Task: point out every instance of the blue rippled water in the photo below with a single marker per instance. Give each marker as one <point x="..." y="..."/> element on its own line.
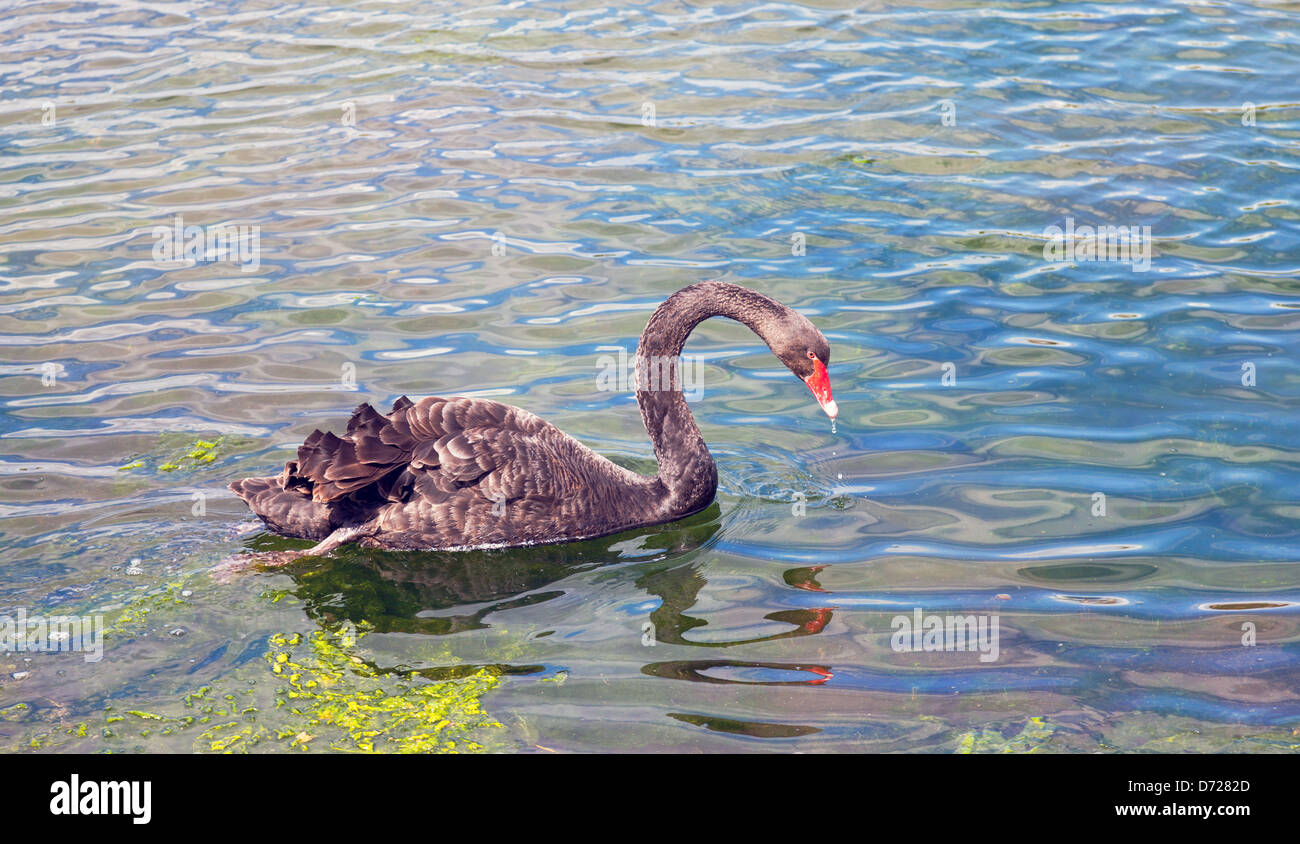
<point x="454" y="198"/>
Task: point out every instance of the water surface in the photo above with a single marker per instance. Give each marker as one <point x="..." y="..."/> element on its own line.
<point x="468" y="199"/>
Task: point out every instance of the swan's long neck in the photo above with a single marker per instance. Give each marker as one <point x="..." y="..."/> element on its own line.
<point x="686" y="468"/>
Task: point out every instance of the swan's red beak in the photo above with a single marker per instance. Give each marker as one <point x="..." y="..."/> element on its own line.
<point x="820" y="384"/>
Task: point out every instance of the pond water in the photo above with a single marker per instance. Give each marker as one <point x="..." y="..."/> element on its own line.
<point x="1098" y="458"/>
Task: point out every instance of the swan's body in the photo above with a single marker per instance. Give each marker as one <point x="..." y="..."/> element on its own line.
<point x="457" y="473"/>
<point x="451" y="473"/>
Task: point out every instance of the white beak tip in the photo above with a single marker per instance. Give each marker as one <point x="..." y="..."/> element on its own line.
<point x="831" y="408"/>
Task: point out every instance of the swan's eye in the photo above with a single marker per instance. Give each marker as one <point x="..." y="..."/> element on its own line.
<point x="811" y="356"/>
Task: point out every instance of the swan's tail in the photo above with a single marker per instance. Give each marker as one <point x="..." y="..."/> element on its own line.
<point x="335" y="482"/>
<point x="285" y="511"/>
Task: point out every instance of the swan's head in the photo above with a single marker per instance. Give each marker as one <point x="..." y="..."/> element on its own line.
<point x="804" y="350"/>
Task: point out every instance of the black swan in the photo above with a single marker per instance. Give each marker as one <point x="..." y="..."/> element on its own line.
<point x="460" y="473"/>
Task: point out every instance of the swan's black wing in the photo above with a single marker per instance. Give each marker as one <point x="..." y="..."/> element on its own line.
<point x="429" y="474"/>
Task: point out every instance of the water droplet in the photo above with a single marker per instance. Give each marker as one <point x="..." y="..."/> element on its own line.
<point x="832" y="426"/>
<point x="839" y="475"/>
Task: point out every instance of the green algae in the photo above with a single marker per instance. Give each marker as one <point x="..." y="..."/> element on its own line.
<point x="334" y="701"/>
<point x="135" y="617"/>
<point x="1031" y="739"/>
<point x="337" y="701"/>
<point x="175" y="452"/>
<point x="322" y="697"/>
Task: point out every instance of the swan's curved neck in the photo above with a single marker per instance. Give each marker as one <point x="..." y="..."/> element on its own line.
<point x="686" y="468"/>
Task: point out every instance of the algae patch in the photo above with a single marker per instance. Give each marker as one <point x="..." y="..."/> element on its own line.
<point x="1030" y="739"/>
<point x="335" y="700"/>
<point x="323" y="697"/>
<point x="343" y="698"/>
<point x="177" y="453"/>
